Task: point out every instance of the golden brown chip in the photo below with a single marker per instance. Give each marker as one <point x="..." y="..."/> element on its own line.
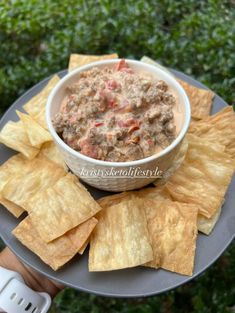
<point x="115" y="198"/>
<point x="150" y="61"/>
<point x="206" y="225"/>
<point x="78" y="60"/>
<point x="61" y="207"/>
<point x="13" y="208"/>
<point x="83" y="248"/>
<point x="36" y="106"/>
<point x="156" y="193"/>
<point x="38" y="174"/>
<point x="37" y="134"/>
<point x="59" y="251"/>
<point x="173" y="230"/>
<point x="15" y="137"/>
<point x="204" y="176"/>
<point x="86" y="229"/>
<point x="9" y="169"/>
<point x="121" y="238"/>
<point x="50" y="150"/>
<point x="200" y="99"/>
<point x="179" y="158"/>
<point x="218" y="128"/>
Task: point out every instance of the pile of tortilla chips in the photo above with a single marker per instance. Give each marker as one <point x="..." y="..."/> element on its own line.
<point x="154" y="227"/>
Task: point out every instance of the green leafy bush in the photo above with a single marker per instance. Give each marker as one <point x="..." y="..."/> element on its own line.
<point x="36" y="37"/>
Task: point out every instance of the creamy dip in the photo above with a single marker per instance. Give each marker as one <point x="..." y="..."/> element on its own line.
<point x="117" y="114"/>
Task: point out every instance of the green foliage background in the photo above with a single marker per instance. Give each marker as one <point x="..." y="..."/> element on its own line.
<point x="194" y="36"/>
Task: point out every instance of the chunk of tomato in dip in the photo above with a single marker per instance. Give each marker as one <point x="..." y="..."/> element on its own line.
<point x="117" y="114"/>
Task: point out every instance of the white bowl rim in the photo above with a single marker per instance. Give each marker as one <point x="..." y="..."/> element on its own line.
<point x="161" y="153"/>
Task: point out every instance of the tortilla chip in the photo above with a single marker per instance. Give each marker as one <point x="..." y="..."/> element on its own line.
<point x="36" y="106"/>
<point x="13" y="208"/>
<point x="61" y="207"/>
<point x="9" y="169"/>
<point x="36" y="134"/>
<point x="200" y="99"/>
<point x="219" y="128"/>
<point x="173" y="230"/>
<point x="61" y="250"/>
<point x="206" y="225"/>
<point x="204" y="176"/>
<point x="115" y="198"/>
<point x="38" y="174"/>
<point x="50" y="150"/>
<point x="14" y="136"/>
<point x="121" y="238"/>
<point x="179" y="158"/>
<point x="78" y="60"/>
<point x="83" y="248"/>
<point x="156" y="193"/>
<point x="150" y="61"/>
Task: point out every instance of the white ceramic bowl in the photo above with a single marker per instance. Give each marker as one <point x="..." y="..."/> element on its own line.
<point x="94" y="172"/>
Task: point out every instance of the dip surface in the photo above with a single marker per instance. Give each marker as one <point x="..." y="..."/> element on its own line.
<point x="117" y="114"/>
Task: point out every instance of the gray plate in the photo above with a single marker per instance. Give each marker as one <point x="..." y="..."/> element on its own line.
<point x="135" y="282"/>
